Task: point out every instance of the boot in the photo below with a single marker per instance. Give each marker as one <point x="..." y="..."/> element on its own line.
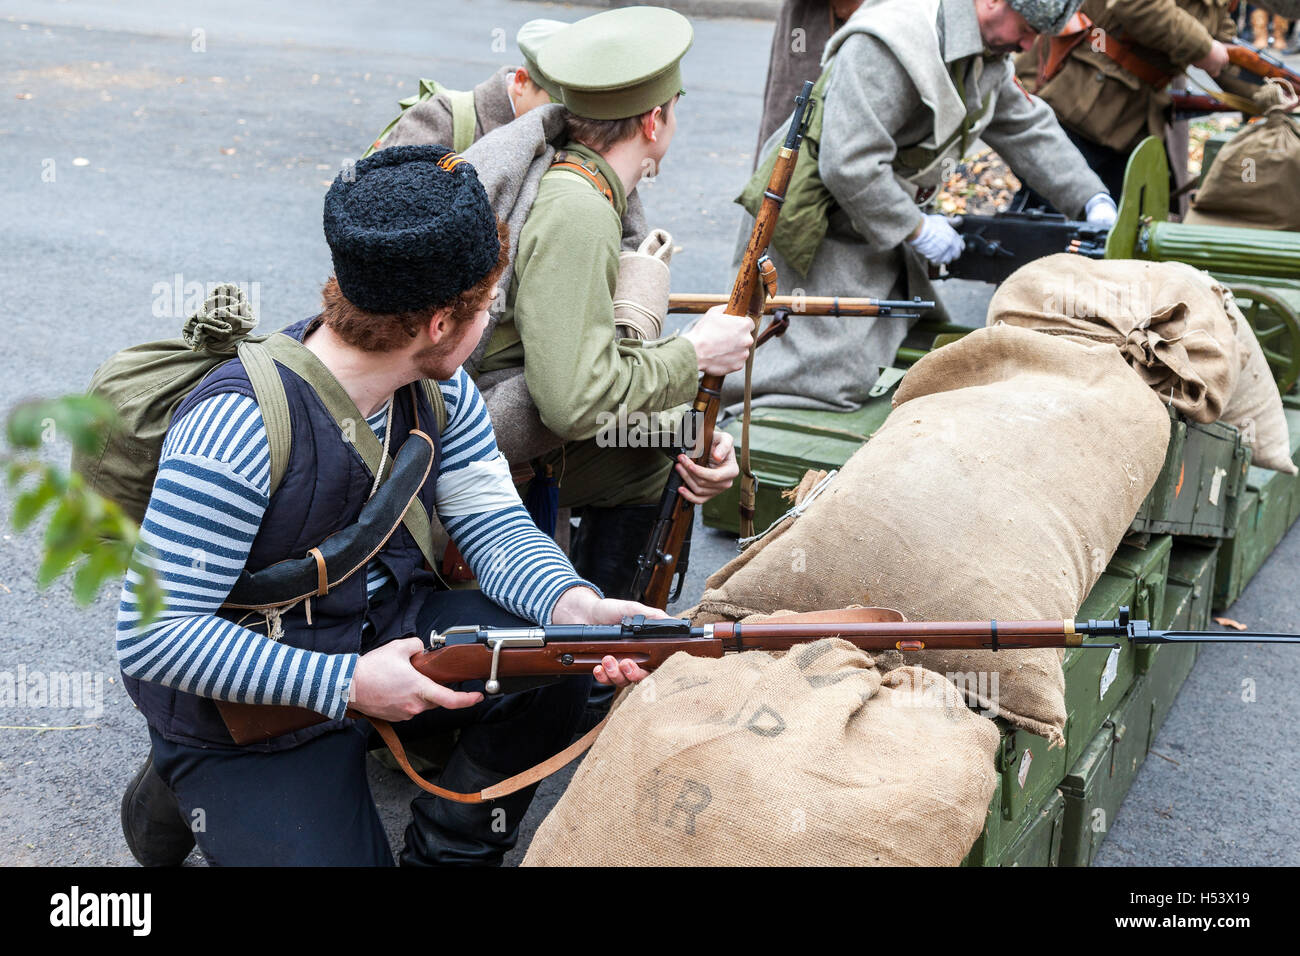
<point x="1259" y="27"/>
<point x="605" y="549"/>
<point x="155" y="829"/>
<point x="445" y="833"/>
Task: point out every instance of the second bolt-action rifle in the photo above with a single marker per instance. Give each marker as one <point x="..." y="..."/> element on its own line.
<point x="666" y="551"/>
<point x="515" y="658"/>
<point x="832" y="305"/>
<point x="1259" y="65"/>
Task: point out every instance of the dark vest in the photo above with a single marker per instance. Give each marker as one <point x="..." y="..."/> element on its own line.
<point x="323" y="489"/>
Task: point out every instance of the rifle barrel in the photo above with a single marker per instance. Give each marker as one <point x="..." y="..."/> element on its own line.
<point x="694" y="303"/>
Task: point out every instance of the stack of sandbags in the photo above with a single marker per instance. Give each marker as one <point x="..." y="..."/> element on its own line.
<point x="810" y="758"/>
<point x="998" y="488"/>
<point x="1176" y="325"/>
<point x="1256" y="406"/>
<point x="1169" y="325"/>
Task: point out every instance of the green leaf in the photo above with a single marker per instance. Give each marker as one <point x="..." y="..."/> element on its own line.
<point x="101" y="566"/>
<point x="84" y="420"/>
<point x="29" y="504"/>
<point x="55" y="562"/>
<point x="26" y="422"/>
<point x="67" y="528"/>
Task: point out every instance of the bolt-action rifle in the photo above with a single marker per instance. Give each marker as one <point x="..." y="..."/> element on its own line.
<point x="1259" y="65"/>
<point x="666" y="551"/>
<point x="818" y="305"/>
<point x="509" y="659"/>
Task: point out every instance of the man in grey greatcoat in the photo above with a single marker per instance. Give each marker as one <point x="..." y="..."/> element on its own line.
<point x="907" y="88"/>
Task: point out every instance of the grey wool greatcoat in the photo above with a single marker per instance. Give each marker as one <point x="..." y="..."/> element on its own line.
<point x="891" y="88"/>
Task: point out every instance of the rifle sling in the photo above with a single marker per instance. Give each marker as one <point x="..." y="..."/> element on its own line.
<point x="345" y="552"/>
<point x="302" y="361"/>
<point x="1127" y="57"/>
<point x="506" y="787"/>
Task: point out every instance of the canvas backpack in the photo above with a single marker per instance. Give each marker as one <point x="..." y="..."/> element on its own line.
<point x="463" y="114"/>
<point x="146" y="383"/>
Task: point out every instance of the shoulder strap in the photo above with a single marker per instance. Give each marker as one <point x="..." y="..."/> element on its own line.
<point x="303" y="362"/>
<point x="464" y="117"/>
<point x="434" y="394"/>
<point x="587" y="170"/>
<point x="272" y="402"/>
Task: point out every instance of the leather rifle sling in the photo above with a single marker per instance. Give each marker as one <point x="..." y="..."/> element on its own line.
<point x="1075" y="32"/>
<point x="503" y="789"/>
<point x="576" y="749"/>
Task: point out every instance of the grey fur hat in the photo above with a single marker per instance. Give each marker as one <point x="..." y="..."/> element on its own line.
<point x="1048" y="17"/>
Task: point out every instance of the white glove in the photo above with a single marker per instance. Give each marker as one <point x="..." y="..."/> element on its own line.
<point x="939" y="241"/>
<point x="1100" y="211"/>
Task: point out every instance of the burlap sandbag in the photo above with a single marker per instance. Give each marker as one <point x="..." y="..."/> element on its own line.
<point x="999" y="487"/>
<point x="1169" y="326"/>
<point x="1256" y="405"/>
<point x="1253" y="180"/>
<point x="810" y="758"/>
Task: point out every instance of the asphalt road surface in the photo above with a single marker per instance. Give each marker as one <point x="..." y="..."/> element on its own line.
<point x="151" y="144"/>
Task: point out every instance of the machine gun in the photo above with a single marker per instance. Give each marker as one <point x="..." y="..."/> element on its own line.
<point x="997" y="246"/>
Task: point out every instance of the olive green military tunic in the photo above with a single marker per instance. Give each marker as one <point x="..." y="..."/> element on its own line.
<point x="558" y="324"/>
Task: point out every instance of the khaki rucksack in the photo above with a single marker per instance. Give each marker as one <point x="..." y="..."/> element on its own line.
<point x="146" y="383"/>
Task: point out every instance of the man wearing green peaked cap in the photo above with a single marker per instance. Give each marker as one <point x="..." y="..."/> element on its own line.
<point x="456" y="118"/>
<point x="619" y="75"/>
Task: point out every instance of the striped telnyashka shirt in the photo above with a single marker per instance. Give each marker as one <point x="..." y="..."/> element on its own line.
<point x="208" y="500"/>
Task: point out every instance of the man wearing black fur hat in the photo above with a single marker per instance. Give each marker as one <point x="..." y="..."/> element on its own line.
<point x="417" y="253"/>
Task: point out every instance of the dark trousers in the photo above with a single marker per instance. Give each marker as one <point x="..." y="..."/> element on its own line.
<point x="1109" y="164"/>
<point x="311" y="805"/>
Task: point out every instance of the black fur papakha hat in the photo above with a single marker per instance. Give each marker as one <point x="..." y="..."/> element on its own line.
<point x="409" y="227"/>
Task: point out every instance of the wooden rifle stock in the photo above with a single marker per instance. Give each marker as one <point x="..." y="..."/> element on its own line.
<point x="1253" y="61"/>
<point x="664" y="555"/>
<point x="830" y="305"/>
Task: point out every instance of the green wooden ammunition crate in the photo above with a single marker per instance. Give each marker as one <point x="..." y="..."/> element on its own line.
<point x="1211" y="476"/>
<point x="1191" y="565"/>
<point x="1157" y="509"/>
<point x="1188" y="597"/>
<point x="1276" y="492"/>
<point x="1096" y="680"/>
<point x="988" y="845"/>
<point x="1233" y="571"/>
<point x="1168" y="670"/>
<point x="785" y="443"/>
<point x="1177" y="612"/>
<point x="1096" y="784"/>
<point x="1039" y="844"/>
<point x="1264" y="518"/>
<point x="1030" y="772"/>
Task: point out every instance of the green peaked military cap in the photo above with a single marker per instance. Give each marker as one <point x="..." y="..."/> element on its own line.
<point x="618" y="63"/>
<point x="530" y="39"/>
